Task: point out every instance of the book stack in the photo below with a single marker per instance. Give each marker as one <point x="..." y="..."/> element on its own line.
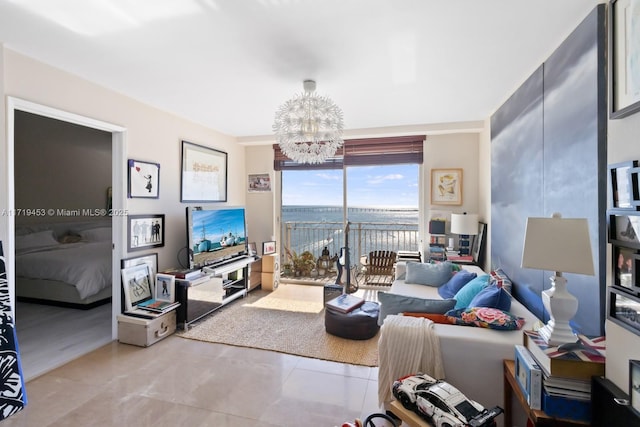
<point x="408" y="256"/>
<point x="566" y="373"/>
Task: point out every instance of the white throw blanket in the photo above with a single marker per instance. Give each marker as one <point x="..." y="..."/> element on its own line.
<point x="407" y="345"/>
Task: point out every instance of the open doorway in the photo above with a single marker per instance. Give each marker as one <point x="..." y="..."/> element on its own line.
<point x="50" y="333"/>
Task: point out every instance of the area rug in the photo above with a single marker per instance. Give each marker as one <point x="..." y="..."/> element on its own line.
<point x="288" y="320"/>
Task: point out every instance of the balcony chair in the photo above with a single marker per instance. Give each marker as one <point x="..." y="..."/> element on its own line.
<point x="379" y="269"/>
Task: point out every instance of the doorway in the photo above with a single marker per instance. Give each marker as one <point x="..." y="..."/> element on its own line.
<point x="118" y="181"/>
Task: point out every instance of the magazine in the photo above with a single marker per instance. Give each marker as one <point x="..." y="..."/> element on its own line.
<point x="345" y="303"/>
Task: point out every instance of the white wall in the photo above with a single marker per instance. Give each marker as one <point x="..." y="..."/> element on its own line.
<point x="151" y="135"/>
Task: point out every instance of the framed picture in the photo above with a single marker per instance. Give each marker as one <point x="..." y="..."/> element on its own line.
<point x="204" y="174"/>
<point x="624" y="229"/>
<point x="259" y="183"/>
<point x="621" y="196"/>
<point x="624" y="21"/>
<point x="268" y="248"/>
<point x="446" y="186"/>
<point x="624" y="268"/>
<point x="144" y="179"/>
<point x="478" y="243"/>
<point x="145" y="231"/>
<point x="253" y="250"/>
<point x="634" y="385"/>
<point x="624" y="310"/>
<point x="165" y="285"/>
<point x="150" y="259"/>
<point x="136" y="282"/>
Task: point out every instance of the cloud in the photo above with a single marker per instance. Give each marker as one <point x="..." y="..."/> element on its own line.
<point x="384" y="178"/>
<point x="329" y="176"/>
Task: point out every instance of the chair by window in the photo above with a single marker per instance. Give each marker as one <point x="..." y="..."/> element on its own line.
<point x="380" y="268"/>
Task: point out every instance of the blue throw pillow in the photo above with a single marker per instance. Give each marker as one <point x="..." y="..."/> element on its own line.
<point x="470" y="290"/>
<point x="396" y="304"/>
<point x="428" y="274"/>
<point x="494" y="297"/>
<point x="461" y="278"/>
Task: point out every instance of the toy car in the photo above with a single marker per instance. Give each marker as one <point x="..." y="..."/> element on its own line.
<point x="441" y="403"/>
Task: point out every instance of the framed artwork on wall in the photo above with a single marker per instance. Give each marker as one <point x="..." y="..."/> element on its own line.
<point x="634" y="385"/>
<point x="144" y="179"/>
<point x="259" y="183"/>
<point x="624" y="26"/>
<point x="446" y="186"/>
<point x="620" y="185"/>
<point x="204" y="174"/>
<point x="624" y="229"/>
<point x="145" y="231"/>
<point x="268" y="248"/>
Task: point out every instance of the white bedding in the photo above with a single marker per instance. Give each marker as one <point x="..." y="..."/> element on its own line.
<point x="86" y="265"/>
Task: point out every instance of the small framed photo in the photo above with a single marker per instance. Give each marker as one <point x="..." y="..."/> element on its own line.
<point x="624" y="229"/>
<point x="259" y="183"/>
<point x="446" y="186"/>
<point x="144" y="179"/>
<point x="145" y="231"/>
<point x="204" y="174"/>
<point x="620" y="190"/>
<point x="165" y="287"/>
<point x="268" y="248"/>
<point x="634" y="385"/>
<point x="624" y="310"/>
<point x="253" y="250"/>
<point x="136" y="281"/>
<point x="624" y="267"/>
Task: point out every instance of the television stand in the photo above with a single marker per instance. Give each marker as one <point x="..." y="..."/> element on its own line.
<point x="200" y="297"/>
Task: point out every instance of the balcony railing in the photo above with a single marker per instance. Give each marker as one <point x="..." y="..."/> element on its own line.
<point x="364" y="237"/>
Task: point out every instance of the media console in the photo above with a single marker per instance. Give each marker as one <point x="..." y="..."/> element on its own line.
<point x="219" y="285"/>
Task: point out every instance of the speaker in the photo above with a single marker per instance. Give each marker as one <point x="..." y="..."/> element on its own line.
<point x="271" y="263"/>
<point x="270" y="281"/>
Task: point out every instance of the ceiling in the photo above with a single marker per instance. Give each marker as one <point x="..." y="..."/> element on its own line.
<point x="228" y="64"/>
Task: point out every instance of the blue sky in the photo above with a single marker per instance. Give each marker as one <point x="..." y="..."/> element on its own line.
<point x="393" y="185"/>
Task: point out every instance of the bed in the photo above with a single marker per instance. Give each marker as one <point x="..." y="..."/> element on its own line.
<point x="64" y="264"/>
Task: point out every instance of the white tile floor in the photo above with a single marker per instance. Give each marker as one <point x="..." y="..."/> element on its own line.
<point x="181" y="382"/>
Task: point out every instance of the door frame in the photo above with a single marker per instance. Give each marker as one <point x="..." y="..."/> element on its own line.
<point x="118" y="183"/>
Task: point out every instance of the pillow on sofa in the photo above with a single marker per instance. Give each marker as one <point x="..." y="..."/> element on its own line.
<point x="485" y="317"/>
<point x="464" y="296"/>
<point x="419" y="273"/>
<point x="492" y="296"/>
<point x="396" y="304"/>
<point x="501" y="279"/>
<point x="435" y="318"/>
<point x="457" y="281"/>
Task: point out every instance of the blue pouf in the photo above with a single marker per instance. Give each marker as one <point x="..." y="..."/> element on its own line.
<point x="359" y="324"/>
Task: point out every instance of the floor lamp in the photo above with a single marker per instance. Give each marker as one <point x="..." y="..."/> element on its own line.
<point x="559" y="245"/>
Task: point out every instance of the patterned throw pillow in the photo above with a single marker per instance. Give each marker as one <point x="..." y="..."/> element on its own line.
<point x="501" y="280"/>
<point x="486" y="317"/>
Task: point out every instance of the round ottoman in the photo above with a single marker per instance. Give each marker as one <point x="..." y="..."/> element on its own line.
<point x="359" y="324"/>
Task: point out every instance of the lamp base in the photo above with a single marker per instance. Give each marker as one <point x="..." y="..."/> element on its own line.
<point x="561" y="306"/>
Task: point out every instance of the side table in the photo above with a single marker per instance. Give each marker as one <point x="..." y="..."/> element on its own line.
<point x="408" y="417"/>
<point x="537" y="417"/>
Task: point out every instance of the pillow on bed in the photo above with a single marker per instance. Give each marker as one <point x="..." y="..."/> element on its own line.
<point x="396" y="304"/>
<point x="485" y="317"/>
<point x="36" y="240"/>
<point x="419" y="273"/>
<point x="464" y="296"/>
<point x="100" y="234"/>
<point x="457" y="281"/>
<point x="492" y="296"/>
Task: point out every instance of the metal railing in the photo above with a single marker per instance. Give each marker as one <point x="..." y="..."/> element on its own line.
<point x="364" y="237"/>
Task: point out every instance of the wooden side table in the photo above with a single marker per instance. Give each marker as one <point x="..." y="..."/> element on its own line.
<point x="537" y="417"/>
<point x="408" y="417"/>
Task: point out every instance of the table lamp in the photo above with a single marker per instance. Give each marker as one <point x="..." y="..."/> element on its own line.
<point x="464" y="225"/>
<point x="559" y="245"/>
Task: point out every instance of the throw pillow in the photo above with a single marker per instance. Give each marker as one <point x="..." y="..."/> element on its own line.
<point x="396" y="304"/>
<point x="428" y="274"/>
<point x="457" y="281"/>
<point x="100" y="234"/>
<point x="492" y="296"/>
<point x="464" y="296"/>
<point x="485" y="317"/>
<point x="435" y="318"/>
<point x="40" y="239"/>
<point x="501" y="279"/>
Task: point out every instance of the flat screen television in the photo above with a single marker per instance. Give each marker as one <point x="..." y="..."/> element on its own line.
<point x="215" y="235"/>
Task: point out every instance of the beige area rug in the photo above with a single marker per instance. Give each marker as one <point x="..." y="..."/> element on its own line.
<point x="288" y="320"/>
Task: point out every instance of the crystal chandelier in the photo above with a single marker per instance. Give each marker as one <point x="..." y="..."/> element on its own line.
<point x="309" y="127"/>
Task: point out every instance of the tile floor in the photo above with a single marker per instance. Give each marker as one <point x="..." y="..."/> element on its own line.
<point x="181" y="382"/>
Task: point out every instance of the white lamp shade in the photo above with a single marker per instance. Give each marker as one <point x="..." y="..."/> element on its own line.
<point x="464" y="224"/>
<point x="558" y="244"/>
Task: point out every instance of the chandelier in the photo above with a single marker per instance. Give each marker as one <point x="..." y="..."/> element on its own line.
<point x="308" y="127"/>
